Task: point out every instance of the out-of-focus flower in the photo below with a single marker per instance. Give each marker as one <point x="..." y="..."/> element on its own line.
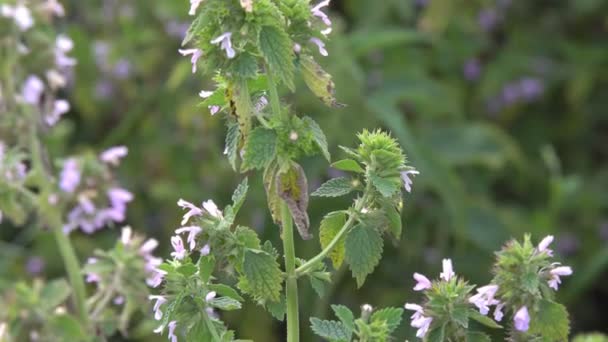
<point x="531" y="88"/>
<point x="484" y="298"/>
<point x="54" y="7"/>
<point x="125" y="235"/>
<point x="247" y="5"/>
<point x="487" y="19"/>
<point x="205" y="94"/>
<point x="193" y="6"/>
<point x="196" y="54"/>
<point x="171" y="335"/>
<point x="122" y="68"/>
<point x="448" y="271"/>
<point x="471" y="69"/>
<point x="32" y="90"/>
<point x="56" y="80"/>
<point x="69" y="178"/>
<point x="556" y="273"/>
<point x="160" y="300"/>
<point x="63" y="45"/>
<point x="176" y="29"/>
<point x="113" y="155"/>
<point x="321" y="45"/>
<point x="224" y="40"/>
<point x="407" y="181"/>
<point x="60" y="107"/>
<point x="316" y="11"/>
<point x="521" y="319"/>
<point x="20" y="14"/>
<point x="34" y="265"/>
<point x="498" y="314"/>
<point x="422" y="282"/>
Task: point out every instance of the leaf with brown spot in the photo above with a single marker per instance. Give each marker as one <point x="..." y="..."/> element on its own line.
<point x="292" y="187"/>
<point x="319" y="81"/>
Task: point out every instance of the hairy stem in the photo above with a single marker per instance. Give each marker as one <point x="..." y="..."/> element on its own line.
<point x="291" y="287"/>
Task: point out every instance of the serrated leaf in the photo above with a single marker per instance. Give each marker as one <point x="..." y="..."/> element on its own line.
<point x="318" y="136"/>
<point x="363" y="251"/>
<point x="393" y="215"/>
<point x="348" y="165"/>
<point x="484" y="320"/>
<point x="460" y="315"/>
<point x="392" y="317"/>
<point x="292" y="187"/>
<point x="272" y="195"/>
<point x="187" y="269"/>
<point x="276" y="47"/>
<point x="550" y="321"/>
<point x="331" y="330"/>
<point x="225" y="303"/>
<point x="476" y="336"/>
<point x="385" y="186"/>
<point x="345" y="315"/>
<point x="277" y="309"/>
<point x="233" y="138"/>
<point x="245" y="65"/>
<point x="240" y="106"/>
<point x="436" y="334"/>
<point x="54" y="293"/>
<point x="319" y="285"/>
<point x="206" y="264"/>
<point x="319" y="81"/>
<point x="330" y="226"/>
<point x="263" y="275"/>
<point x="226" y="291"/>
<point x="260" y="149"/>
<point x="238" y="197"/>
<point x="194" y="28"/>
<point x="335" y="187"/>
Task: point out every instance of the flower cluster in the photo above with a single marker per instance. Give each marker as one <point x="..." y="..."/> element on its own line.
<point x="85" y="184"/>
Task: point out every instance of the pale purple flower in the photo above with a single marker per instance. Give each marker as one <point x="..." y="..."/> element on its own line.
<point x="511" y="94"/>
<point x="56" y="80"/>
<point x="192" y="231"/>
<point x="543" y="246"/>
<point x="205" y="250"/>
<point x="210" y="296"/>
<point x="531" y="88"/>
<point x="63" y="45"/>
<point x="418" y="310"/>
<point x="177" y="29"/>
<point x="192" y="210"/>
<point x="522" y="319"/>
<point x="157" y="278"/>
<point x="93" y="278"/>
<point x="122" y="68"/>
<point x="125" y="235"/>
<point x="316" y="11"/>
<point x="419" y="320"/>
<point x="118" y="300"/>
<point x="205" y="94"/>
<point x="113" y="155"/>
<point x="212" y="209"/>
<point x="70" y="176"/>
<point x="423" y="282"/>
<point x="448" y="271"/>
<point x="20" y="14"/>
<point x="471" y="69"/>
<point x="297" y="48"/>
<point x="32" y="90"/>
<point x="484" y="298"/>
<point x="556" y="273"/>
<point x="60" y="107"/>
<point x="178" y="246"/>
<point x="34" y="265"/>
<point x="118" y="203"/>
<point x="54" y="7"/>
<point x="196" y="54"/>
<point x="224" y="40"/>
<point x="407" y="181"/>
<point x="171" y="335"/>
<point x="193" y="6"/>
<point x="160" y="300"/>
<point x="498" y="314"/>
<point x="148" y="246"/>
<point x="321" y="45"/>
<point x="487" y="19"/>
<point x="214" y="109"/>
<point x="86" y="204"/>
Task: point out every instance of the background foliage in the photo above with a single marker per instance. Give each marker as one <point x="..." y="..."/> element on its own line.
<point x="499" y="104"/>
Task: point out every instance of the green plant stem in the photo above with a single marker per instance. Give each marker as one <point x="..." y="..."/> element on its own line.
<point x="53" y="219"/>
<point x="212" y="329"/>
<point x="291" y="286"/>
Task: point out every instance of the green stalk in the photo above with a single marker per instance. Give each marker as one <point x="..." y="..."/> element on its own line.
<point x="214" y="334"/>
<point x="291" y="286"/>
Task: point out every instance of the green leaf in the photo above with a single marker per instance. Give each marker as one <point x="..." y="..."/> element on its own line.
<point x="240" y="106"/>
<point x="319" y="285"/>
<point x="260" y="149"/>
<point x="319" y="81"/>
<point x="476" y="336"/>
<point x="263" y="275"/>
<point x="187" y="269"/>
<point x="346" y="316"/>
<point x="363" y="251"/>
<point x="331" y="330"/>
<point x="194" y="28"/>
<point x="530" y="282"/>
<point x="226" y="291"/>
<point x="238" y="197"/>
<point x="335" y="187"/>
<point x="245" y="65"/>
<point x="550" y="321"/>
<point x="330" y="226"/>
<point x="54" y="293"/>
<point x="392" y="317"/>
<point x="68" y="327"/>
<point x="276" y="47"/>
<point x="318" y="136"/>
<point x="247" y="237"/>
<point x="348" y="165"/>
<point x="436" y="334"/>
<point x="387" y="187"/>
<point x="206" y="264"/>
<point x="393" y="215"/>
<point x="232" y="143"/>
<point x="484" y="320"/>
<point x="277" y="309"/>
<point x="460" y="315"/>
<point x="225" y="303"/>
<point x="292" y="188"/>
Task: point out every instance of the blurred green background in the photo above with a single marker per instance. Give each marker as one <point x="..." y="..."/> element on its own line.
<point x="500" y="104"/>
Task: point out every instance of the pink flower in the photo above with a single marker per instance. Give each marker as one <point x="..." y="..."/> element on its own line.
<point x="192" y="210"/>
<point x="448" y="271"/>
<point x="192" y="231"/>
<point x="407" y="181"/>
<point x="544" y="244"/>
<point x="212" y="209"/>
<point x="210" y="296"/>
<point x="178" y="246"/>
<point x="196" y="54"/>
<point x="556" y="273"/>
<point x="157" y="278"/>
<point x="32" y="90"/>
<point x="321" y="45"/>
<point x="484" y="298"/>
<point x="498" y="314"/>
<point x="316" y="11"/>
<point x="69" y="179"/>
<point x="60" y="107"/>
<point x="423" y="282"/>
<point x="522" y="319"/>
<point x="225" y="44"/>
<point x="205" y="250"/>
<point x="160" y="300"/>
<point x="171" y="335"/>
<point x="113" y="155"/>
<point x="419" y="320"/>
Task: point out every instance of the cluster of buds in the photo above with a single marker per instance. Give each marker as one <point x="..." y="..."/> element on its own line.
<point x="86" y="185"/>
